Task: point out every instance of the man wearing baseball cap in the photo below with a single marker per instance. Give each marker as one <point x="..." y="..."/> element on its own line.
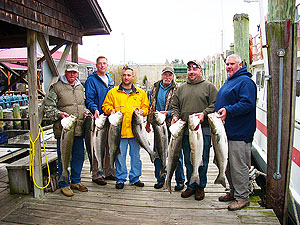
<point x="161" y="97"/>
<point x="196" y="96"/>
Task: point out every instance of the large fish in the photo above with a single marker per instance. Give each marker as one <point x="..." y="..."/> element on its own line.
<point x="139" y="133"/>
<point x="175" y="146"/>
<point x="99" y="142"/>
<point x="161" y="139"/>
<point x="196" y="144"/>
<point x="220" y="145"/>
<point x="114" y="136"/>
<point x="88" y="127"/>
<point x="66" y="144"/>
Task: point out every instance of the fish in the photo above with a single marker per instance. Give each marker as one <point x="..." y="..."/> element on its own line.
<point x="174" y="150"/>
<point x="196" y="144"/>
<point x="161" y="139"/>
<point x="66" y="144"/>
<point x="88" y="127"/>
<point x="139" y="133"/>
<point x="99" y="139"/>
<point x="220" y="145"/>
<point x="114" y="136"/>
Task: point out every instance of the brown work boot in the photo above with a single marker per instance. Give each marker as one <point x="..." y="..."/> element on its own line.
<point x="199" y="194"/>
<point x="100" y="181"/>
<point x="79" y="187"/>
<point x="67" y="191"/>
<point x="226" y="198"/>
<point x="237" y="205"/>
<point x="187" y="193"/>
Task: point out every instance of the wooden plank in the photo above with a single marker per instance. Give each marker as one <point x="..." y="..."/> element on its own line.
<point x="33" y="106"/>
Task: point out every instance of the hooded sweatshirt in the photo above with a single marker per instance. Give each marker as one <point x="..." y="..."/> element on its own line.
<point x="238" y="97"/>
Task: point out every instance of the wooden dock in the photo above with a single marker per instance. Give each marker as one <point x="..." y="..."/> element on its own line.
<point x="131" y="205"/>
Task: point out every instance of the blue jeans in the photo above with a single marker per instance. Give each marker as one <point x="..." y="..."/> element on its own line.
<point x="77" y="160"/>
<point x="188" y="163"/>
<point x="135" y="161"/>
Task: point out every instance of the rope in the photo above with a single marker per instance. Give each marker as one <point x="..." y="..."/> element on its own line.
<point x="32" y="155"/>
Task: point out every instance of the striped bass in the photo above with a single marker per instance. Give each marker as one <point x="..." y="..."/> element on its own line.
<point x="99" y="139"/>
<point x="196" y="144"/>
<point x="88" y="127"/>
<point x="66" y="144"/>
<point x="161" y="139"/>
<point x="114" y="136"/>
<point x="174" y="147"/>
<point x="140" y="134"/>
<point x="220" y="145"/>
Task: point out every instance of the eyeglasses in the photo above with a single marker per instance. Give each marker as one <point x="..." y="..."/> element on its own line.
<point x="127" y="68"/>
<point x="192" y="66"/>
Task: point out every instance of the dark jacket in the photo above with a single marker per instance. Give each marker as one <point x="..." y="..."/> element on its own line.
<point x="238" y="97"/>
<point x="95" y="91"/>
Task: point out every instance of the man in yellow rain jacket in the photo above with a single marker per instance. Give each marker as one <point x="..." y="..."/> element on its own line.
<point x="126" y="98"/>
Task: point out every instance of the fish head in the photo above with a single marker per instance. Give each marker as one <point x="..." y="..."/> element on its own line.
<point x="100" y="121"/>
<point x="136" y="117"/>
<point x="214" y="122"/>
<point x="193" y="122"/>
<point x="177" y="127"/>
<point x="68" y="122"/>
<point x="159" y="117"/>
<point x="116" y="118"/>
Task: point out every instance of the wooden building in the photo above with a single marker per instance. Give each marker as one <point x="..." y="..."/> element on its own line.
<point x="24" y="23"/>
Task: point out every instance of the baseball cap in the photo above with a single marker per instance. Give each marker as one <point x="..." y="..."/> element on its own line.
<point x="72" y="67"/>
<point x="194" y="62"/>
<point x="167" y="69"/>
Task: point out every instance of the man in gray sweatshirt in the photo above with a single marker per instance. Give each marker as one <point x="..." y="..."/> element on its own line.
<point x="195" y="96"/>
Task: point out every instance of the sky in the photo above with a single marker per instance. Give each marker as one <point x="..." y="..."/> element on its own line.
<point x="151" y="32"/>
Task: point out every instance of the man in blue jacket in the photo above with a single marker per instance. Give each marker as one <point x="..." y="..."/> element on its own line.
<point x="236" y="104"/>
<point x="97" y="85"/>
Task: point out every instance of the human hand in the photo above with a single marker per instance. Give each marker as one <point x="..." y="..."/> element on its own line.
<point x="63" y="115"/>
<point x="174" y="120"/>
<point x="112" y="111"/>
<point x="141" y="112"/>
<point x="164" y="112"/>
<point x="88" y="113"/>
<point x="222" y="114"/>
<point x="96" y="114"/>
<point x="200" y="116"/>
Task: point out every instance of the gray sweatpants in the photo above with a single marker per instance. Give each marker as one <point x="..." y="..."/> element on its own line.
<point x="237" y="172"/>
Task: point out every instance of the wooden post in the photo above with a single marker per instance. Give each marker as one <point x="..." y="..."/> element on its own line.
<point x="33" y="108"/>
<point x="281" y="38"/>
<point x="241" y="36"/>
<point x="75" y="53"/>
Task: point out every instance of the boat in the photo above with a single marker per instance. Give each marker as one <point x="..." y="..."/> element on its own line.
<point x="258" y="69"/>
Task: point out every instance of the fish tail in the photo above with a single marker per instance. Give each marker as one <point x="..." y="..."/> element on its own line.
<point x="220" y="180"/>
<point x="63" y="178"/>
<point x="194" y="179"/>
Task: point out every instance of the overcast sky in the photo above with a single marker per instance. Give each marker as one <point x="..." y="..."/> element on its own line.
<point x="151" y="32"/>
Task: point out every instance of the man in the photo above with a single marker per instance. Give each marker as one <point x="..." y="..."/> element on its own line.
<point x="126" y="98"/>
<point x="236" y="101"/>
<point x="161" y="97"/>
<point x="195" y="96"/>
<point x="66" y="97"/>
<point x="96" y="87"/>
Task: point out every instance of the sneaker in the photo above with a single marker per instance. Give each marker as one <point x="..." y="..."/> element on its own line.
<point x="100" y="181"/>
<point x="119" y="185"/>
<point x="179" y="186"/>
<point x="199" y="194"/>
<point x="67" y="191"/>
<point x="237" y="205"/>
<point x="226" y="198"/>
<point x="139" y="184"/>
<point x="187" y="193"/>
<point x="159" y="184"/>
<point x="79" y="187"/>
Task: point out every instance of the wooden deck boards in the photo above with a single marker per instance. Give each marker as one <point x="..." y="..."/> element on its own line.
<point x="131" y="205"/>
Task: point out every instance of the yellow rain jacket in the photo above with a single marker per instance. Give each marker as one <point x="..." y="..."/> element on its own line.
<point x="119" y="100"/>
